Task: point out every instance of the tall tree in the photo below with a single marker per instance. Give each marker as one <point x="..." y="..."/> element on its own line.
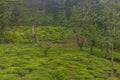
<point x="111" y="13"/>
<point x="81" y="19"/>
<point x="4" y="16"/>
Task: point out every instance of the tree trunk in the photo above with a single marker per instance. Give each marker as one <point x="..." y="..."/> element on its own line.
<point x="34" y="34"/>
<point x="107" y="53"/>
<point x="79" y="43"/>
<point x="112" y="58"/>
<point x="92" y="46"/>
<point x="91" y="49"/>
<point x="112" y="48"/>
<point x="78" y="39"/>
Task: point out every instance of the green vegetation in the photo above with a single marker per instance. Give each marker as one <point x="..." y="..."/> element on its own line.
<point x="27" y="62"/>
<point x="59" y="39"/>
<point x="23" y="34"/>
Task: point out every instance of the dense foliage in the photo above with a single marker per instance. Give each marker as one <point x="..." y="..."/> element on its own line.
<point x="91" y="19"/>
<point x="49" y="30"/>
<point x="27" y="62"/>
<point x="45" y="33"/>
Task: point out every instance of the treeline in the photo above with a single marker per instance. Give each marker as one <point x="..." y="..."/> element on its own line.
<point x="47" y="12"/>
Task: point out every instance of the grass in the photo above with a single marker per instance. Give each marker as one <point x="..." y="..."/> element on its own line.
<point x="28" y="62"/>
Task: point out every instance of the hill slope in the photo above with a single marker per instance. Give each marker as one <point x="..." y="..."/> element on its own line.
<point x="23" y="34"/>
<point x="28" y="62"/>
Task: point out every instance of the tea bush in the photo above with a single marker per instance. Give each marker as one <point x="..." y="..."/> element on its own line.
<point x="27" y="62"/>
<point x="23" y="34"/>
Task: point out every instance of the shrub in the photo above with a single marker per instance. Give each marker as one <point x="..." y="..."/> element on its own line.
<point x="59" y="74"/>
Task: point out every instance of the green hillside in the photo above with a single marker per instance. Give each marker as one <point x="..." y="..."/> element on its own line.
<point x="29" y="62"/>
<point x="23" y="34"/>
<point x="59" y="39"/>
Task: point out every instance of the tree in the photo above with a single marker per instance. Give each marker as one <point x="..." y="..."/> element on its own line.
<point x="16" y="16"/>
<point x="82" y="20"/>
<point x="1" y="19"/>
<point x="4" y="17"/>
<point x="111" y="13"/>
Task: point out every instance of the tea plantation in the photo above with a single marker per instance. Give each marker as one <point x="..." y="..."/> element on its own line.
<point x="23" y="34"/>
<point x="29" y="62"/>
<point x="59" y="40"/>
